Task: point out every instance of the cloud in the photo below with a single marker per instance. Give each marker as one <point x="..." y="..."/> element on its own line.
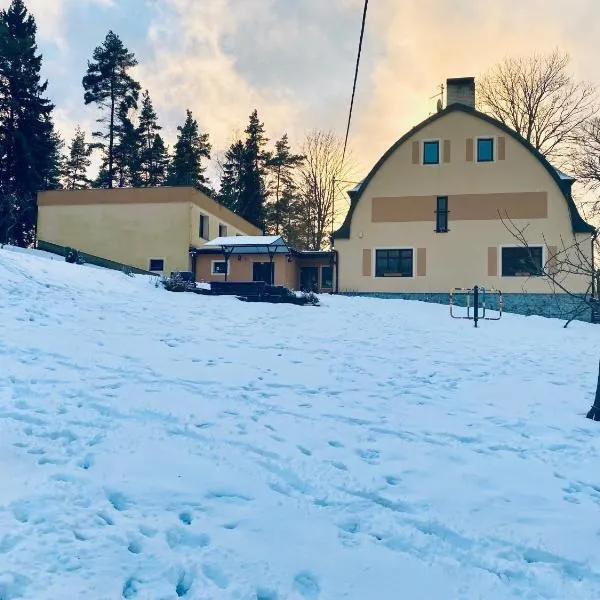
<point x="425" y="42"/>
<point x="51" y="18"/>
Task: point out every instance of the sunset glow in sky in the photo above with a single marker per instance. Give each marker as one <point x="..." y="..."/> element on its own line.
<point x="293" y="60"/>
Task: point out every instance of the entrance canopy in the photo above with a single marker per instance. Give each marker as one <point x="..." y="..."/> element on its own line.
<point x="249" y="244"/>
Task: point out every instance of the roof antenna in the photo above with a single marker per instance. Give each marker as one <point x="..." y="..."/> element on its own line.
<point x="440" y="95"/>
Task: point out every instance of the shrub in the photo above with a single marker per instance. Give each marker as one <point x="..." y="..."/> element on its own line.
<point x="174" y="283"/>
<point x="73" y="256"/>
<point x="310" y="298"/>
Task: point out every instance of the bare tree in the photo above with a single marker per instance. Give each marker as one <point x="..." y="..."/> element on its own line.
<point x="538" y="98"/>
<point x="587" y="165"/>
<point x="322" y="182"/>
<point x="569" y="260"/>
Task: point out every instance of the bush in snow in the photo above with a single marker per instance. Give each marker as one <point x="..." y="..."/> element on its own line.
<point x="73" y="256"/>
<point x="174" y="283"/>
<point x="310" y="298"/>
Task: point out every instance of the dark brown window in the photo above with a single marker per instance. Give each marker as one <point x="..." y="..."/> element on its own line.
<point x="156" y="264"/>
<point x="203" y="227"/>
<point x="441" y="214"/>
<point x="222" y="230"/>
<point x="394" y="263"/>
<point x="521" y="262"/>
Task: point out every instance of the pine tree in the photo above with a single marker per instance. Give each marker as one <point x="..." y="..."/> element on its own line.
<point x="160" y="163"/>
<point x="253" y="190"/>
<point x="232" y="176"/>
<point x="191" y="147"/>
<point x="29" y="145"/>
<point x="108" y="84"/>
<point x="77" y="163"/>
<point x="280" y="211"/>
<point x="153" y="152"/>
<point x="127" y="151"/>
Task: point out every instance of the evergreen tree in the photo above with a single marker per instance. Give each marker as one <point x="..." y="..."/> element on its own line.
<point x="158" y="168"/>
<point x="127" y="151"/>
<point x="191" y="147"/>
<point x="153" y="154"/>
<point x="108" y="84"/>
<point x="253" y="190"/>
<point x="232" y="176"/>
<point x="77" y="163"/>
<point x="29" y="146"/>
<point x="280" y="211"/>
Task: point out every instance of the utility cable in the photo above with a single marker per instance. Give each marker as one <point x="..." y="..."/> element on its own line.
<point x="362" y="32"/>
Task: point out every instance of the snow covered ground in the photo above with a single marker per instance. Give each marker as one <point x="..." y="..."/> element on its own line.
<point x="157" y="445"/>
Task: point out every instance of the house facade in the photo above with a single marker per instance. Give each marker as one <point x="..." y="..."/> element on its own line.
<point x="265" y="258"/>
<point x="152" y="229"/>
<point x="433" y="212"/>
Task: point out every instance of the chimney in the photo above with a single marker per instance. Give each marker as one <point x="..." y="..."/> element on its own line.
<point x="460" y="90"/>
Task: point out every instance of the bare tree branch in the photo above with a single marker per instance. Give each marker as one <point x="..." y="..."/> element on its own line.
<point x="321" y="184"/>
<point x="538" y="98"/>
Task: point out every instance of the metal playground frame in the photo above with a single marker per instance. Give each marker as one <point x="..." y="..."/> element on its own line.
<point x="479" y="295"/>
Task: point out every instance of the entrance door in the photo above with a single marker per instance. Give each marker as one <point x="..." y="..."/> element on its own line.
<point x="263" y="271"/>
<point x="309" y="279"/>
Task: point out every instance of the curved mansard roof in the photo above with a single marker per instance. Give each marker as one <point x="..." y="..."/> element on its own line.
<point x="564" y="182"/>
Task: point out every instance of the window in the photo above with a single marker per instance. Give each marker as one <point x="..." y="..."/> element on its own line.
<point x="222" y="230"/>
<point x="219" y="267"/>
<point x="327" y="277"/>
<point x="441" y="214"/>
<point x="522" y="262"/>
<point x="203" y="227"/>
<point x="394" y="263"/>
<point x="431" y="153"/>
<point x="485" y="149"/>
<point x="156" y="264"/>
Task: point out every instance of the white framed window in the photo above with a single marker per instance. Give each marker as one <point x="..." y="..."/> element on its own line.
<point x="430" y="152"/>
<point x="219" y="267"/>
<point x="222" y="230"/>
<point x="519" y="261"/>
<point x="156" y="265"/>
<point x="485" y="149"/>
<point x="394" y="262"/>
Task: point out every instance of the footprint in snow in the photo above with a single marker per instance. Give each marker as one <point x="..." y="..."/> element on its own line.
<point x="307" y="585"/>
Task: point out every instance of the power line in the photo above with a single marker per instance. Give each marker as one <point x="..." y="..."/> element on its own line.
<point x="362" y="32"/>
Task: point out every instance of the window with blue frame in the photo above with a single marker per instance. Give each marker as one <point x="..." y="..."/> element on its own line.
<point x="431" y="153"/>
<point x="485" y="149"/>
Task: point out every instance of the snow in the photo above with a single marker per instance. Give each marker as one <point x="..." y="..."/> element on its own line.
<point x="160" y="446"/>
<point x="245" y="240"/>
<point x="563" y="175"/>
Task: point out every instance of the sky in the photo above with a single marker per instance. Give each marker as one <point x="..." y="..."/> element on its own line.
<point x="293" y="60"/>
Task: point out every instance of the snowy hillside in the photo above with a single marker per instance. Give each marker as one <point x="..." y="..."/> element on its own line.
<point x="157" y="445"/>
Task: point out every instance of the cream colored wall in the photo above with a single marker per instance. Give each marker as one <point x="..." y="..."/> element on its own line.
<point x="458" y="258"/>
<point x="214" y="220"/>
<point x="127" y="233"/>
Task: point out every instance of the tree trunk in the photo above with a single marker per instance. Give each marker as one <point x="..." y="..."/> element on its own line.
<point x="594" y="412"/>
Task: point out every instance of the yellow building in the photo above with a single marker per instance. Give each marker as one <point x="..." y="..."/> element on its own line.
<point x="152" y="229"/>
<point x="432" y="213"/>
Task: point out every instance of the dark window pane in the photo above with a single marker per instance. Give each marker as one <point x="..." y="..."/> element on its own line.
<point x="156" y="264"/>
<point x="441" y="214"/>
<point x="521" y="262"/>
<point x="203" y="227"/>
<point x="222" y="230"/>
<point x="394" y="263"/>
<point x="219" y="268"/>
<point x="326" y="277"/>
<point x="431" y="153"/>
<point x="485" y="150"/>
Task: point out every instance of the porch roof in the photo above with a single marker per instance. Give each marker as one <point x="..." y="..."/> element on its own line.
<point x="247" y="244"/>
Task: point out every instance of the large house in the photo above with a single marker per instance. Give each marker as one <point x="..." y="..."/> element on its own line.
<point x="433" y="212"/>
